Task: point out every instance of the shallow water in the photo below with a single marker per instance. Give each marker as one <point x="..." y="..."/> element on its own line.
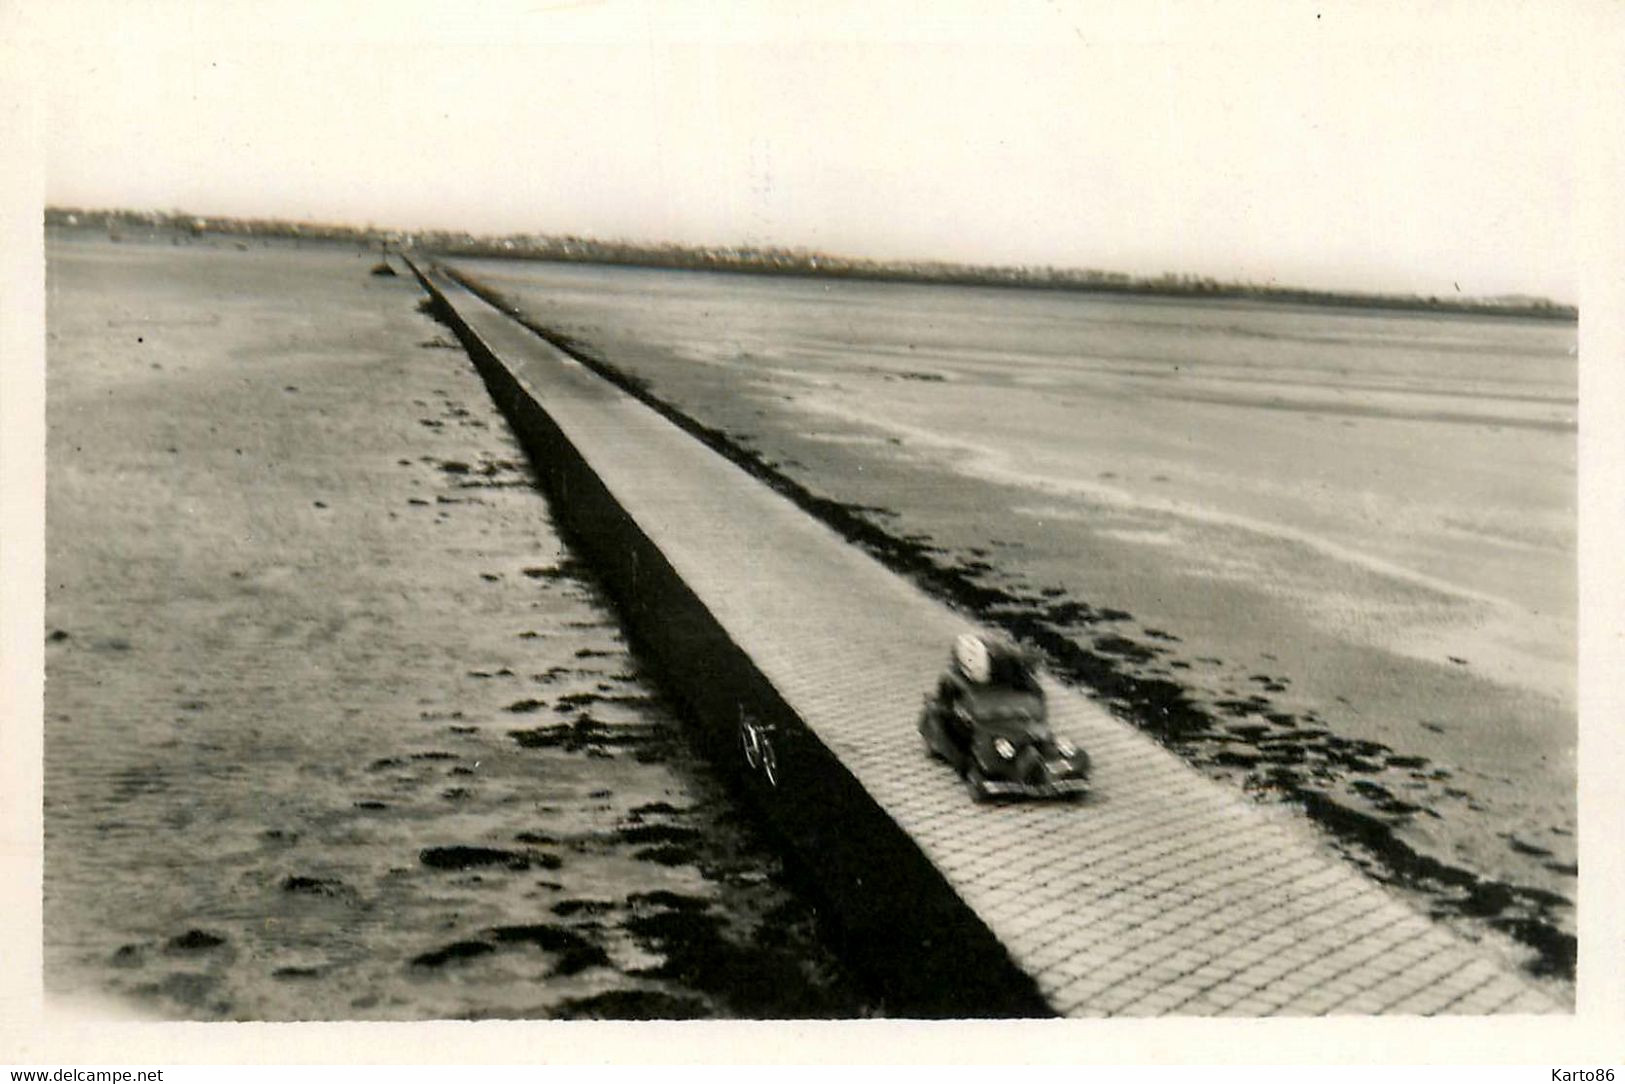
<point x="1329" y="554"/>
<point x="336" y="728"/>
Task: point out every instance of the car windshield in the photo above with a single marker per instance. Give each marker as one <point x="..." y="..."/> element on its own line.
<point x="1010" y="671"/>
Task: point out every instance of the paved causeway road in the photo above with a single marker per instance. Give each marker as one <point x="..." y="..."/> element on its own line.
<point x="1161" y="894"/>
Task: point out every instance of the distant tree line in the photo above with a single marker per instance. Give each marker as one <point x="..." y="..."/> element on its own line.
<point x="752" y="259"/>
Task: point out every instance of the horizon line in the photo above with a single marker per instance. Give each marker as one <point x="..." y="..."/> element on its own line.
<point x="748" y="257"/>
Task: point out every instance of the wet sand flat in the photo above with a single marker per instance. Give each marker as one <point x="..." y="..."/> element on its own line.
<point x="1328" y="555"/>
<point x="336" y="728"/>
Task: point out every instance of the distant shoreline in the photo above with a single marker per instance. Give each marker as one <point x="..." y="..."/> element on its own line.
<point x="794" y="262"/>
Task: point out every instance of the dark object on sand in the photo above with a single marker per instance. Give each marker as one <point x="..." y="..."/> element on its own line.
<point x="383" y="268"/>
<point x="989" y="721"/>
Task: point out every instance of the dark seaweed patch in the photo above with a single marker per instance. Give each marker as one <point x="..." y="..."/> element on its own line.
<point x="458" y="950"/>
<point x="565" y="908"/>
<point x="587" y="734"/>
<point x="668" y="900"/>
<point x="129" y="956"/>
<point x="567" y="569"/>
<point x="549" y="938"/>
<point x="657" y="833"/>
<point x="669" y="855"/>
<point x="761" y="980"/>
<point x="574" y="960"/>
<point x="1125" y="648"/>
<point x="458" y="857"/>
<point x="575" y="953"/>
<point x="314" y="886"/>
<point x="654" y="807"/>
<point x="194" y="941"/>
<point x="1523" y="846"/>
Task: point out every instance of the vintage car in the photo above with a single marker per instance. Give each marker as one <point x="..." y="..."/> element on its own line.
<point x="988" y="720"/>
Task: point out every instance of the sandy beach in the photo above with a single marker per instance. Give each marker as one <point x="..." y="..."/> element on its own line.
<point x="1328" y="556"/>
<point x="335" y="725"/>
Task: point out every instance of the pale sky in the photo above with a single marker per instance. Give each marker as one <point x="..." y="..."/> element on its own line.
<point x="1362" y="146"/>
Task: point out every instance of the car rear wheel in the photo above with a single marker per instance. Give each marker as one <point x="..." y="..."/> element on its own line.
<point x="928" y="734"/>
<point x="975" y="780"/>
